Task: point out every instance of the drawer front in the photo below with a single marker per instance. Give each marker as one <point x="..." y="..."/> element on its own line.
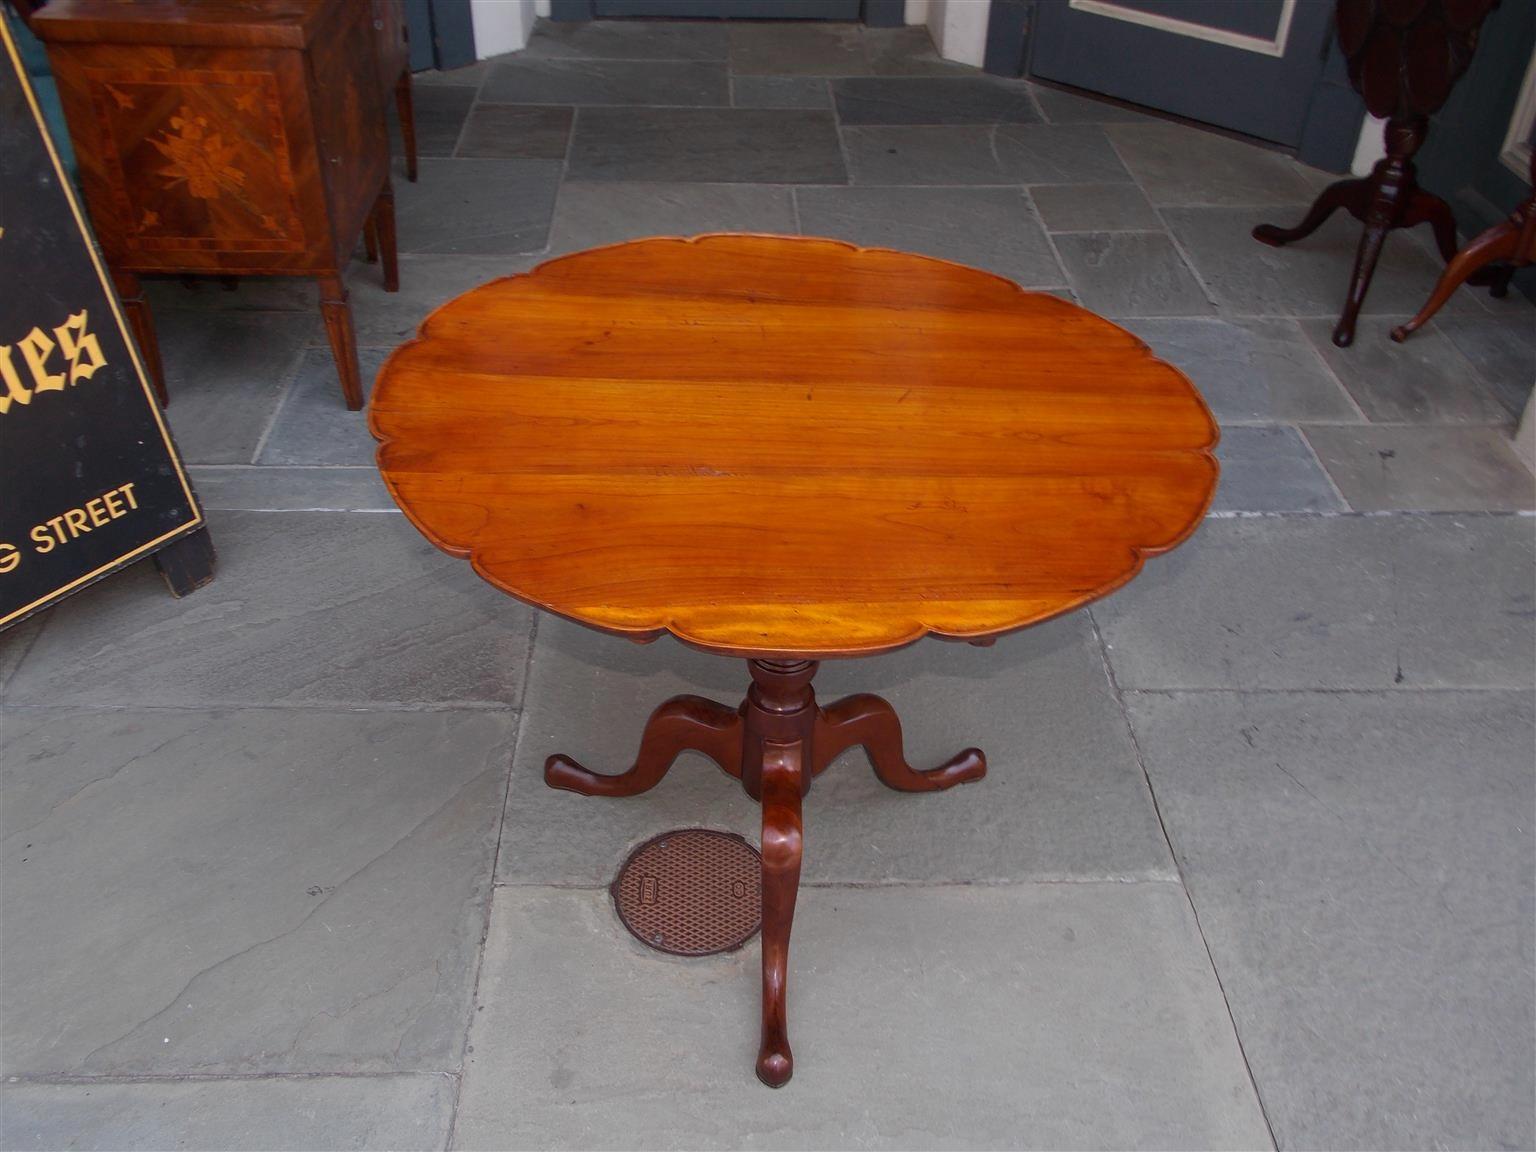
<point x="194" y="160"/>
<point x="198" y="160"/>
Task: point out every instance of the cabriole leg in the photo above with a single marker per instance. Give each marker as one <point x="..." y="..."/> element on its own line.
<point x="682" y="724"/>
<point x="774" y="743"/>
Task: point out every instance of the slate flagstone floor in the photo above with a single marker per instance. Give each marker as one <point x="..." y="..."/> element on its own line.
<point x="1254" y="862"/>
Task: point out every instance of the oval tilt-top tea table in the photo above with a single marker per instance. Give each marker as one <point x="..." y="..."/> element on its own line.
<point x="788" y="450"/>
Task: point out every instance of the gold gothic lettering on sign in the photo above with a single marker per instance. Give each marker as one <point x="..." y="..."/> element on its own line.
<point x="78" y="356"/>
<point x="71" y="524"/>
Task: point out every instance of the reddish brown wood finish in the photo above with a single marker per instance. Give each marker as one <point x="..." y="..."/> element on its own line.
<point x="239" y="137"/>
<point x="870" y="721"/>
<point x="394" y="55"/>
<point x="775" y="743"/>
<point x="787" y="448"/>
<point x="1510" y="243"/>
<point x="131" y="292"/>
<point x="682" y="724"/>
<point x="1403" y="59"/>
<point x="405" y="108"/>
<point x="382" y="220"/>
<point x="778" y="446"/>
<point x="781" y="775"/>
<point x="336" y="309"/>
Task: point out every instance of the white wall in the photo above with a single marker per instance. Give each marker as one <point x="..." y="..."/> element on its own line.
<point x="502" y="25"/>
<point x="1525" y="435"/>
<point x="1370" y="147"/>
<point x="958" y="28"/>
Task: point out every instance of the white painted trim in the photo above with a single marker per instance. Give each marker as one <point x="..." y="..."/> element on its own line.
<point x="1272" y="46"/>
<point x="500" y="25"/>
<point x="1525" y="433"/>
<point x="959" y="29"/>
<point x="1370" y="145"/>
<point x="1516" y="152"/>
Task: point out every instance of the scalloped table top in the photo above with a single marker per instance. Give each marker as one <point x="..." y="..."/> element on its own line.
<point x="776" y="446"/>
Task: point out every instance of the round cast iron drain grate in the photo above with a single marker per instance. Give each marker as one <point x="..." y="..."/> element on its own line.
<point x="691" y="892"/>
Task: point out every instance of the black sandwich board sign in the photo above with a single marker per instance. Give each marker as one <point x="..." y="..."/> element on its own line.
<point x="89" y="478"/>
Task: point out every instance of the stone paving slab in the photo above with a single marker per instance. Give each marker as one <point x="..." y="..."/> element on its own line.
<point x="439" y="114"/>
<point x="707" y="145"/>
<point x="811" y="48"/>
<point x="364" y="1112"/>
<point x="1424" y="380"/>
<point x="780" y="92"/>
<point x="517" y="132"/>
<point x="925" y="154"/>
<point x="1063" y="798"/>
<point x="1037" y="1016"/>
<point x="226" y="372"/>
<point x="468" y="75"/>
<point x="1425" y="468"/>
<point x="933" y="100"/>
<point x="982" y="154"/>
<point x="576" y="80"/>
<point x="1130" y="274"/>
<point x="1307" y="278"/>
<point x="387" y="319"/>
<point x="1250" y="371"/>
<point x="1502" y="349"/>
<point x="276" y="489"/>
<point x="591" y="215"/>
<point x="1176" y="164"/>
<point x="1362" y="865"/>
<point x="476" y="207"/>
<point x="991" y="228"/>
<point x="1271" y="469"/>
<point x="1332" y="602"/>
<point x="1062" y="107"/>
<point x="313" y="424"/>
<point x="305" y="609"/>
<point x="237" y="891"/>
<point x="630" y="39"/>
<point x="1055" y="154"/>
<point x="15" y="641"/>
<point x="1094" y="208"/>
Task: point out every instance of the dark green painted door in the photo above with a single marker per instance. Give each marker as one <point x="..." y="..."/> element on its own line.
<point x="1248" y="65"/>
<point x="1469" y="156"/>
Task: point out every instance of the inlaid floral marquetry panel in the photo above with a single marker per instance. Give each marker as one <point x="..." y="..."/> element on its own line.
<point x="201" y="160"/>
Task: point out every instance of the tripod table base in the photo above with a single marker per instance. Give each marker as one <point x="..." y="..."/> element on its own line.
<point x="775" y="743"/>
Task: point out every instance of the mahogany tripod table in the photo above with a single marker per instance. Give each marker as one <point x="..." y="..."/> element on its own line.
<point x="787" y="450"/>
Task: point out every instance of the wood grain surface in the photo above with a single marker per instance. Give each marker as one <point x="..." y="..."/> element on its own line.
<point x="784" y="446"/>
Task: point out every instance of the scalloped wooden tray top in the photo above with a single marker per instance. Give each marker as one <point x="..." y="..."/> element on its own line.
<point x="781" y="446"/>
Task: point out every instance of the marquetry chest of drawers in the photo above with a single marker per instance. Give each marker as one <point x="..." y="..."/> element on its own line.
<point x="228" y="137"/>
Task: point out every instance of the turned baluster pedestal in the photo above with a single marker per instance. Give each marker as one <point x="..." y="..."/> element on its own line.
<point x="1403" y="59"/>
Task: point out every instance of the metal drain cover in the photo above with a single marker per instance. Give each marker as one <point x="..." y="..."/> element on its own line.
<point x="691" y="892"/>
